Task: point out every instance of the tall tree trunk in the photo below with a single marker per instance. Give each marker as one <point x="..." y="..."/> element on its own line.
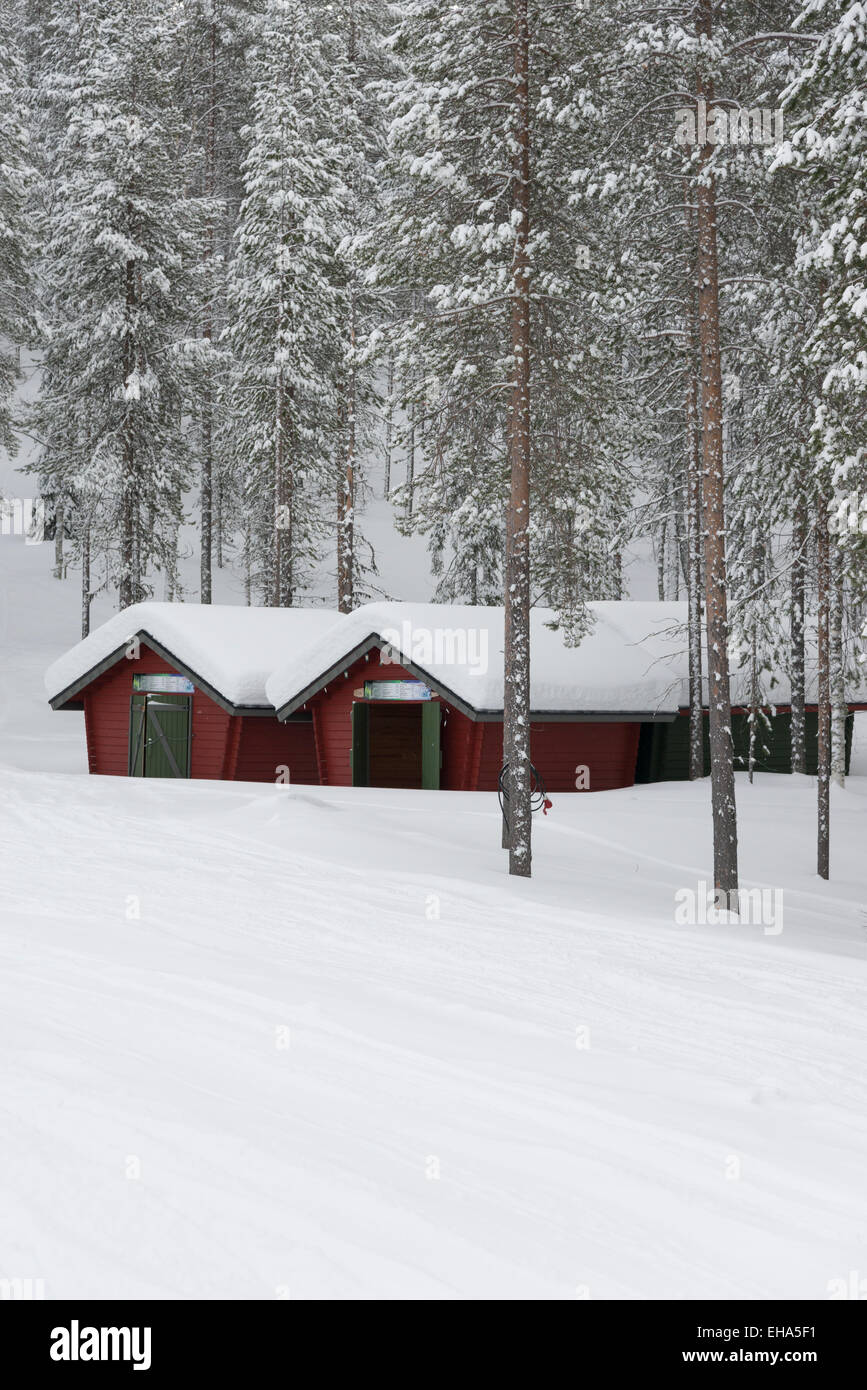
<point x="280" y="516"/>
<point x="824" y="698"/>
<point x="799" y="570"/>
<point x="389" y="425"/>
<point x="660" y="561"/>
<point x="59" y="523"/>
<point x="837" y="675"/>
<point x="410" y="461"/>
<point x="725" y="836"/>
<point x="128" y="519"/>
<point x="346" y="490"/>
<point x="694" y="542"/>
<point x="207" y="469"/>
<point x="85" y="579"/>
<point x="218" y="520"/>
<point x="516" y="711"/>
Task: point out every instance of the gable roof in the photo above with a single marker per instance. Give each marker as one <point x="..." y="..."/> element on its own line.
<point x="631" y="663"/>
<point x="226" y="650"/>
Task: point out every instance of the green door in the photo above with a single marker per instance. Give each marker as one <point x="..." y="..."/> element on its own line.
<point x="430" y="745"/>
<point x="360" y="745"/>
<point x="160" y="736"/>
<point x="137" y="721"/>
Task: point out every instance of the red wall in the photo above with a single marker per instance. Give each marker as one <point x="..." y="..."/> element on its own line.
<point x="106" y="721"/>
<point x="266" y="744"/>
<point x="559" y="748"/>
<point x="230" y="747"/>
<point x="251" y="748"/>
<point x="473" y="750"/>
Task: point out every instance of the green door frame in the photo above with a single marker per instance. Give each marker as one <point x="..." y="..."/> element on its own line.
<point x="431" y="756"/>
<point x="160" y="735"/>
<point x="430" y="746"/>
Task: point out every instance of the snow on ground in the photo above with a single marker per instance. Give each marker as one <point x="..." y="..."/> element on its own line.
<point x="259" y="1039"/>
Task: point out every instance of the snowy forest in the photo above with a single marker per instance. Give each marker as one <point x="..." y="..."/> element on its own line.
<point x="576" y="273"/>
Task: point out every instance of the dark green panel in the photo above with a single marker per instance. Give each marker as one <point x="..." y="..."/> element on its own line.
<point x="430" y="745"/>
<point x="360" y="745"/>
<point x="663" y="749"/>
<point x="168" y="736"/>
<point x="137" y="707"/>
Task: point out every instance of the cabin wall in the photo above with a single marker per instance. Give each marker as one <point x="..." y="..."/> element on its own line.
<point x="558" y="748"/>
<point x="264" y="745"/>
<point x="663" y="754"/>
<point x="106" y="721"/>
<point x="472" y="750"/>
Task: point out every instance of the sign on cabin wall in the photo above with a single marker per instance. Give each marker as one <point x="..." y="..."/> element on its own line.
<point x="163" y="683"/>
<point x="394" y="690"/>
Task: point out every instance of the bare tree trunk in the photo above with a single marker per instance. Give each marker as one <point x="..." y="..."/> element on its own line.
<point x="824" y="698"/>
<point x="660" y="562"/>
<point x="280" y="517"/>
<point x="837" y="676"/>
<point x="694" y="533"/>
<point x="127" y="583"/>
<point x="207" y="468"/>
<point x="516" y="710"/>
<point x="389" y="425"/>
<point x="85" y="579"/>
<point x="218" y="521"/>
<point x="798" y="721"/>
<point x="59" y="523"/>
<point x="721" y="750"/>
<point x="346" y="491"/>
<point x="410" y="461"/>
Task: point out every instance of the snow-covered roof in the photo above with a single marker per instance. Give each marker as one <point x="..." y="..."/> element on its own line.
<point x="632" y="661"/>
<point x="230" y="649"/>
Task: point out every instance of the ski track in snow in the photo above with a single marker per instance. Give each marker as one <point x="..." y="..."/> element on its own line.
<point x="303" y="1171"/>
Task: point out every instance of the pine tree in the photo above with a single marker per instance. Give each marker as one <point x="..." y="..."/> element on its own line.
<point x="284" y="324"/>
<point x="115" y="256"/>
<point x="16" y="179"/>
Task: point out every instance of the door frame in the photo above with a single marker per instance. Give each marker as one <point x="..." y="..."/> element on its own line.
<point x="430" y="734"/>
<point x="141" y="702"/>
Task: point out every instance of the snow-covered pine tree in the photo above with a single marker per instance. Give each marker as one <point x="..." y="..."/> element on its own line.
<point x="826" y="109"/>
<point x="16" y="248"/>
<point x="213" y="94"/>
<point x="284" y="322"/>
<point x="114" y="265"/>
<point x="354" y="31"/>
